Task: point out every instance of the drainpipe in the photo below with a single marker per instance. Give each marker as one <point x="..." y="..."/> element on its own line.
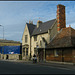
<point x="30" y="48"/>
<point x="45" y="53"/>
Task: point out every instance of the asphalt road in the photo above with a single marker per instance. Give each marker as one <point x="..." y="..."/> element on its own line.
<point x="29" y="68"/>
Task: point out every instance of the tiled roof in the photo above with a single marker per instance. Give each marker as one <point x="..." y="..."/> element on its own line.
<point x="65" y="38"/>
<point x="43" y="28"/>
<point x="31" y="27"/>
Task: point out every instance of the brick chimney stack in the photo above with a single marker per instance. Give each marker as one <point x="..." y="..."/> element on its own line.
<point x="61" y="23"/>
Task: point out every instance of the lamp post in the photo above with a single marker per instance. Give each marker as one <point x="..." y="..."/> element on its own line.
<point x="3" y="31"/>
<point x="3" y="39"/>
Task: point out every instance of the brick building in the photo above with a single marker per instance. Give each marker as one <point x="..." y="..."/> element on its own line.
<point x="62" y="47"/>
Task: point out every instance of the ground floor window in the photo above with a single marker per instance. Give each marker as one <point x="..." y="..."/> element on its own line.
<point x="55" y="53"/>
<point x="23" y="51"/>
<point x="26" y="51"/>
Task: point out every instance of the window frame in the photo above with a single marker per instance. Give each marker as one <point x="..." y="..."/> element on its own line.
<point x="23" y="51"/>
<point x="26" y="51"/>
<point x="26" y="38"/>
<point x="35" y="38"/>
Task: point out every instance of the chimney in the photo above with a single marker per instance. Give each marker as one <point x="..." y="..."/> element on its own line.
<point x="38" y="23"/>
<point x="61" y="23"/>
<point x="30" y="22"/>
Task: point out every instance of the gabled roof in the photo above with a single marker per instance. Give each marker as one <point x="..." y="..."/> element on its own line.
<point x="65" y="38"/>
<point x="31" y="27"/>
<point x="44" y="27"/>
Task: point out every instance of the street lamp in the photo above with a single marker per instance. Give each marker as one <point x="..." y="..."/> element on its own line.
<point x="3" y="31"/>
<point x="3" y="39"/>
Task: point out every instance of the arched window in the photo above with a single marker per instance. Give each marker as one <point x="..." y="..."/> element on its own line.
<point x="40" y="43"/>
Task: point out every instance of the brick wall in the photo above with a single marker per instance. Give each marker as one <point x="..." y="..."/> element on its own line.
<point x="73" y="55"/>
<point x="51" y="57"/>
<point x="64" y="55"/>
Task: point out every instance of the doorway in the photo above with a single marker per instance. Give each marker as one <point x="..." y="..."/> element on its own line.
<point x="41" y="55"/>
<point x="62" y="55"/>
<point x="7" y="56"/>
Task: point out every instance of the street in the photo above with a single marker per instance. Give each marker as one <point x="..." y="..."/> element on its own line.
<point x="30" y="68"/>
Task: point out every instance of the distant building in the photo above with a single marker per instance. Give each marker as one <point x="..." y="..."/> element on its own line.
<point x="10" y="49"/>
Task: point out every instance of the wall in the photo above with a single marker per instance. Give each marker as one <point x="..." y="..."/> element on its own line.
<point x="12" y="56"/>
<point x="6" y="50"/>
<point x="48" y="37"/>
<point x="51" y="57"/>
<point x="73" y="55"/>
<point x="33" y="43"/>
<point x="64" y="55"/>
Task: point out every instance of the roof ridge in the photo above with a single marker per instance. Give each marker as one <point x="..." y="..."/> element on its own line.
<point x="49" y="20"/>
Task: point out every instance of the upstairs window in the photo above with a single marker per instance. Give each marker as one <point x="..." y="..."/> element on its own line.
<point x="26" y="38"/>
<point x="35" y="38"/>
<point x="40" y="43"/>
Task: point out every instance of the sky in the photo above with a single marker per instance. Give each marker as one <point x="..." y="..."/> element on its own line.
<point x="15" y="14"/>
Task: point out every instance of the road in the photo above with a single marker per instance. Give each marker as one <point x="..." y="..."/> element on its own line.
<point x="30" y="68"/>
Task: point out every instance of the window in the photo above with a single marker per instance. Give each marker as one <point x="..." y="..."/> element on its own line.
<point x="26" y="51"/>
<point x="23" y="51"/>
<point x="40" y="43"/>
<point x="35" y="38"/>
<point x="55" y="53"/>
<point x="26" y="38"/>
<point x="35" y="51"/>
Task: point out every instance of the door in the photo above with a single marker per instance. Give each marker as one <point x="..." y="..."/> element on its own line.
<point x="6" y="56"/>
<point x="41" y="56"/>
<point x="62" y="55"/>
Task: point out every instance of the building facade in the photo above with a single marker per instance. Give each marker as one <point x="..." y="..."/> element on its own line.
<point x="10" y="50"/>
<point x="37" y="36"/>
<point x="62" y="47"/>
<point x="51" y="40"/>
<point x="26" y="41"/>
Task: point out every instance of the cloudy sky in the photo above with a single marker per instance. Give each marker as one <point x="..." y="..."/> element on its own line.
<point x="15" y="14"/>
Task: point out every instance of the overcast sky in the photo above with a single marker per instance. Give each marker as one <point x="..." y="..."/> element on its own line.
<point x="15" y="14"/>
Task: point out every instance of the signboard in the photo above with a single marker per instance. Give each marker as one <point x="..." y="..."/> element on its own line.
<point x="10" y="49"/>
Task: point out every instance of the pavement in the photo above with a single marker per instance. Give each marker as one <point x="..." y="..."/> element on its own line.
<point x="47" y="63"/>
<point x="58" y="64"/>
